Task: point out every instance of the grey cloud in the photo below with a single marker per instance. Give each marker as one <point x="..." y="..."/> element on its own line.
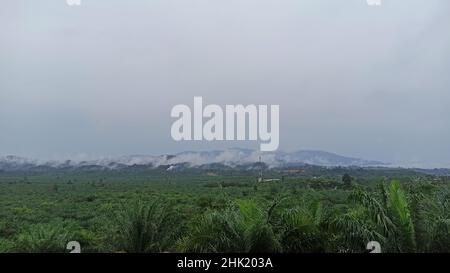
<point x="101" y="78"/>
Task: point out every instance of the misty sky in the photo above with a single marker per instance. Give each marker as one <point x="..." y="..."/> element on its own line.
<point x="100" y="79"/>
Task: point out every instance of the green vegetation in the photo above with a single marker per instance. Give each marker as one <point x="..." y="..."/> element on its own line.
<point x="142" y="210"/>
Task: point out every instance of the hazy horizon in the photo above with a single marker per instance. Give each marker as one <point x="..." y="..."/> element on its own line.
<point x="100" y="79"/>
<point x="83" y="157"/>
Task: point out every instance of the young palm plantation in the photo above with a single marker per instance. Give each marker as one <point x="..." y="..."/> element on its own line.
<point x="237" y="217"/>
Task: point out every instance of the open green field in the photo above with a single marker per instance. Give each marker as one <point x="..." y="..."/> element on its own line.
<point x="140" y="210"/>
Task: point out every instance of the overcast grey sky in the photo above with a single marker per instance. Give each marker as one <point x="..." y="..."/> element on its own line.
<point x="101" y="78"/>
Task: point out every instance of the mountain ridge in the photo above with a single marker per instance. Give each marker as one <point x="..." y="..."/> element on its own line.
<point x="229" y="157"/>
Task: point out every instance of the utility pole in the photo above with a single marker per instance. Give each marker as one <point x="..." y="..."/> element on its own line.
<point x="260" y="170"/>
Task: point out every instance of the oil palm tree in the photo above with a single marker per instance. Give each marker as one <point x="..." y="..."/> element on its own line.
<point x="303" y="228"/>
<point x="434" y="224"/>
<point x="144" y="227"/>
<point x="239" y="229"/>
<point x="383" y="215"/>
<point x="42" y="238"/>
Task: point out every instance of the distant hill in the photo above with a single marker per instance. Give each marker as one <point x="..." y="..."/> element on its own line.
<point x="229" y="158"/>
